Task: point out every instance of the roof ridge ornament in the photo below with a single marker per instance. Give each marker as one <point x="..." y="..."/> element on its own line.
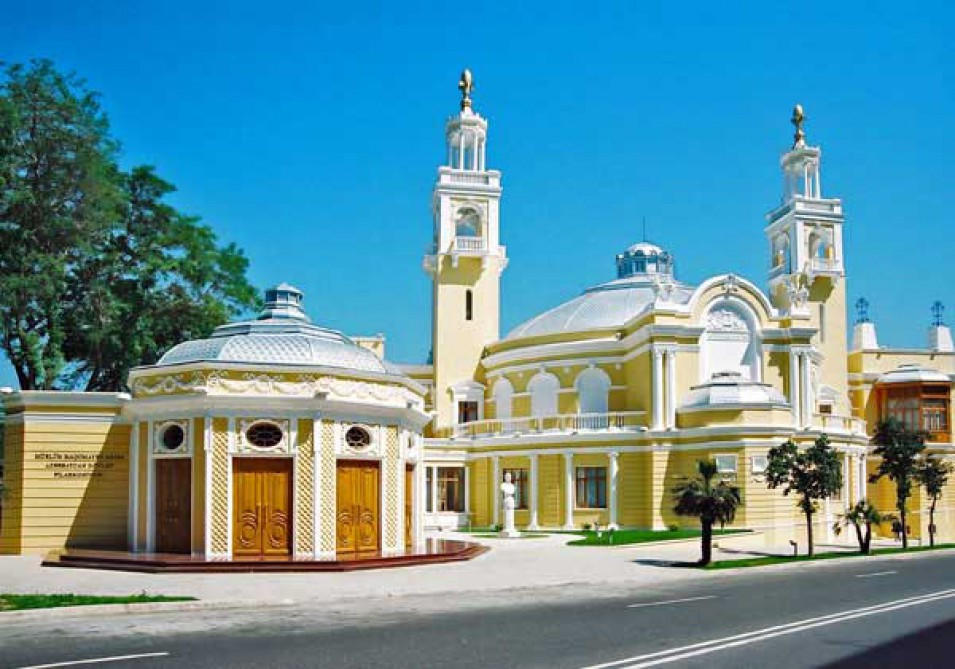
<point x="466" y="85"/>
<point x="799" y="138"/>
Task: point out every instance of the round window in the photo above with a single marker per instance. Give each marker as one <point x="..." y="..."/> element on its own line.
<point x="357" y="437"/>
<point x="264" y="435"/>
<point x="172" y="437"/>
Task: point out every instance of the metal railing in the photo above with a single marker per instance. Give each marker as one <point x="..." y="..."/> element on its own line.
<point x="469" y="244"/>
<point x="579" y="422"/>
<point x="842" y="424"/>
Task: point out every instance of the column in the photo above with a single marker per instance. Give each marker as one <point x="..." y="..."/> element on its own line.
<point x="818" y="182"/>
<point x="612" y="487"/>
<point x="483" y="154"/>
<point x="568" y="491"/>
<point x="209" y="457"/>
<point x="532" y="501"/>
<point x="862" y="477"/>
<point x="671" y="389"/>
<point x="496" y="489"/>
<point x="804" y="383"/>
<point x="132" y="519"/>
<point x="794" y="395"/>
<point x="461" y="151"/>
<point x="434" y="493"/>
<point x="151" y="488"/>
<point x="419" y="499"/>
<point x="845" y="481"/>
<point x="657" y="379"/>
<point x="467" y="491"/>
<point x="474" y="158"/>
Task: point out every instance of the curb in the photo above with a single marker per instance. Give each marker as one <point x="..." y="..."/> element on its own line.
<point x="83" y="611"/>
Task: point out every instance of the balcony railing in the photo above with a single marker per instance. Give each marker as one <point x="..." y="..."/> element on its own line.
<point x="824" y="264"/>
<point x="843" y="424"/>
<point x="581" y="422"/>
<point x="469" y="244"/>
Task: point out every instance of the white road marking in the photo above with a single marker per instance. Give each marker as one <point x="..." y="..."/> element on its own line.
<point x="876" y="573"/>
<point x="97" y="660"/>
<point x="670" y="601"/>
<point x="702" y="648"/>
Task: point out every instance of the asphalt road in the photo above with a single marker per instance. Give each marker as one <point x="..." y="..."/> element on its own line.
<point x="855" y="613"/>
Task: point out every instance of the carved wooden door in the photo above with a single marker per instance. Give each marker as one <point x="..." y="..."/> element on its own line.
<point x="262" y="506"/>
<point x="357" y="507"/>
<point x="174" y="505"/>
<point x="409" y="505"/>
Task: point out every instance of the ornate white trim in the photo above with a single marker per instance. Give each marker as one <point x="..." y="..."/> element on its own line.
<point x="243" y="446"/>
<point x="185" y="448"/>
<point x="374" y="441"/>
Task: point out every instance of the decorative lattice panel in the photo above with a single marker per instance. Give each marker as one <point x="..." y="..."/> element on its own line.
<point x="305" y="489"/>
<point x="327" y="488"/>
<point x="219" y="453"/>
<point x="392" y="481"/>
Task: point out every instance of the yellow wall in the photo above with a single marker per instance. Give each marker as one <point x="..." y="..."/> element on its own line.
<point x="70" y="482"/>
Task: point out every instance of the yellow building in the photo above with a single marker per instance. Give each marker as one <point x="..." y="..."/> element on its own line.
<point x="278" y="437"/>
<point x="272" y="438"/>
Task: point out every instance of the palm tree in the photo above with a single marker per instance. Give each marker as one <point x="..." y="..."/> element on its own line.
<point x="933" y="475"/>
<point x="710" y="503"/>
<point x="862" y="514"/>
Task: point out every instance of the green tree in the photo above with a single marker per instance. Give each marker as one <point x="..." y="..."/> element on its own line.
<point x="813" y="473"/>
<point x="898" y="449"/>
<point x="710" y="503"/>
<point x="862" y="516"/>
<point x="159" y="279"/>
<point x="933" y="475"/>
<point x="58" y="196"/>
<point x="97" y="272"/>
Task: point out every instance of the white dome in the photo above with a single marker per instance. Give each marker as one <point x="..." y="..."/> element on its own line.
<point x="282" y="335"/>
<point x="644" y="270"/>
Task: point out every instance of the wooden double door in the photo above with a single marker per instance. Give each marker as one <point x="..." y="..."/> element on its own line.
<point x="173" y="505"/>
<point x="262" y="507"/>
<point x="358" y="507"/>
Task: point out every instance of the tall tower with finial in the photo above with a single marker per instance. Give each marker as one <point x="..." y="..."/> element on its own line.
<point x="465" y="263"/>
<point x="807" y="270"/>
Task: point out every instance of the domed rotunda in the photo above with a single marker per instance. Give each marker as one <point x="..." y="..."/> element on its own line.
<point x="275" y="437"/>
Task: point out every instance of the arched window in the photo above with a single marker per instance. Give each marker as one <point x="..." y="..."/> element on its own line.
<point x="503" y="396"/>
<point x="468" y="305"/>
<point x="543" y="388"/>
<point x="593" y="390"/>
<point x="468" y="224"/>
<point x="730" y="342"/>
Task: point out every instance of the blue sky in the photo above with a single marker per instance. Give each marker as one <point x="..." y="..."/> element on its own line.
<point x="310" y="136"/>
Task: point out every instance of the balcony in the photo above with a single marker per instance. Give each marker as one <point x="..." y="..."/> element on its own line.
<point x="468" y="244"/>
<point x="824" y="265"/>
<point x="454" y="177"/>
<point x="839" y="424"/>
<point x="615" y="421"/>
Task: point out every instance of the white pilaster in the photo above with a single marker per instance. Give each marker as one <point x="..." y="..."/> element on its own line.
<point x="568" y="491"/>
<point x="657" y="380"/>
<point x="496" y="489"/>
<point x="532" y="501"/>
<point x="150" y="488"/>
<point x="434" y="490"/>
<point x="419" y="499"/>
<point x="795" y="398"/>
<point x="846" y="490"/>
<point x="612" y="487"/>
<point x="671" y="389"/>
<point x="207" y="449"/>
<point x="132" y="525"/>
<point x="467" y="490"/>
<point x="804" y="383"/>
<point x="861" y="479"/>
<point x="317" y="510"/>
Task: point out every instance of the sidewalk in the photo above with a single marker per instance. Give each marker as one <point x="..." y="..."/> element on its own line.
<point x="510" y="565"/>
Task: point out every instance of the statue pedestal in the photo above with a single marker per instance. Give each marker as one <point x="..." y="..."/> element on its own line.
<point x="509" y="533"/>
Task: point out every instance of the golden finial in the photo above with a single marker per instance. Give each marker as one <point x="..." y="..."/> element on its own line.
<point x="466" y="85"/>
<point x="799" y="139"/>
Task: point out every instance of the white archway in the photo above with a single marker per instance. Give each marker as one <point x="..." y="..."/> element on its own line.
<point x="593" y="390"/>
<point x="543" y="388"/>
<point x="503" y="393"/>
<point x="731" y="340"/>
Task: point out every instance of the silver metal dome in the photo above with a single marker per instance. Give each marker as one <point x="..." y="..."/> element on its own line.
<point x="283" y="335"/>
<point x="613" y="304"/>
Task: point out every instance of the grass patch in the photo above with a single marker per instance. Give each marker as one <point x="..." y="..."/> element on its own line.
<point x="623" y="537"/>
<point x="784" y="559"/>
<point x="17" y="602"/>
